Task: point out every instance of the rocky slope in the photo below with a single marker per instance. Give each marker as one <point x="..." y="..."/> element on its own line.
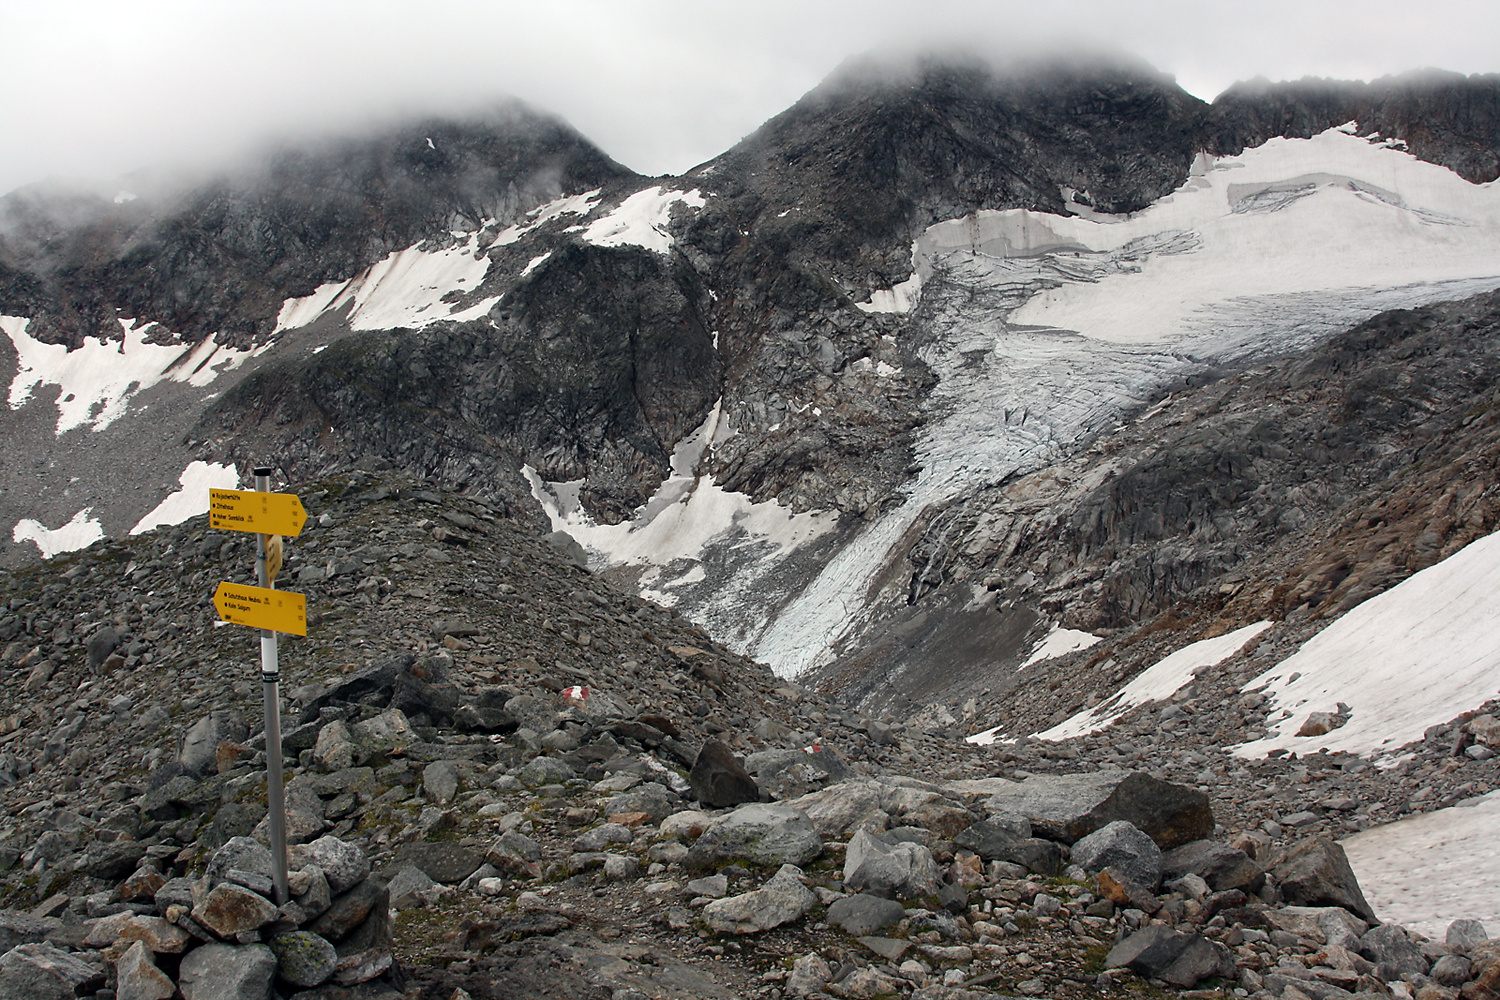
<point x="532" y="838"/>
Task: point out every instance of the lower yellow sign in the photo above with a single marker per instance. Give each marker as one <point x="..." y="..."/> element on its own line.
<point x="262" y="607"/>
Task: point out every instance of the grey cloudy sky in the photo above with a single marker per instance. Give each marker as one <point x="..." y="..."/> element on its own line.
<point x="96" y="89"/>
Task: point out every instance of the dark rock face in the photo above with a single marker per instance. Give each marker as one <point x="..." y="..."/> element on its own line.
<point x="1445" y="118"/>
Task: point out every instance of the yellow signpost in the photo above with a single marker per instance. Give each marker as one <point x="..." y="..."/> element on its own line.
<point x="269" y="515"/>
<point x="249" y="510"/>
<point x="262" y="607"/>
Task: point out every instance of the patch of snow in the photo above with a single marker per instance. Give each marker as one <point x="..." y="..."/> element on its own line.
<point x="573" y="204"/>
<point x="535" y="263"/>
<point x="99" y="379"/>
<point x="899" y="298"/>
<point x="868" y="366"/>
<point x="320" y="349"/>
<point x="79" y="533"/>
<point x="406" y="289"/>
<point x="1426" y="871"/>
<point x="124" y="196"/>
<point x="192" y="498"/>
<point x="1156" y="683"/>
<point x="1059" y="642"/>
<point x="1417" y="655"/>
<point x="641" y="220"/>
<point x="688" y="515"/>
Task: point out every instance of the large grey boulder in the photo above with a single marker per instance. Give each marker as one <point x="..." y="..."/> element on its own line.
<point x="17" y="927"/>
<point x="786" y="774"/>
<point x="138" y="978"/>
<point x="42" y="971"/>
<point x="1221" y="866"/>
<point x="1121" y="846"/>
<point x="303" y="958"/>
<point x="873" y="804"/>
<point x="761" y="833"/>
<point x="227" y="972"/>
<point x="1159" y="952"/>
<point x="1316" y="872"/>
<point x="1465" y="934"/>
<point x="1067" y="807"/>
<point x="864" y="913"/>
<point x="343" y="864"/>
<point x="782" y="900"/>
<point x="1394" y="953"/>
<point x="900" y="869"/>
<point x="719" y="780"/>
<point x="1332" y="925"/>
<point x="650" y="797"/>
<point x="201" y="741"/>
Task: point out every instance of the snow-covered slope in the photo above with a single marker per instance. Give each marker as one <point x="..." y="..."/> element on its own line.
<point x="1415" y="656"/>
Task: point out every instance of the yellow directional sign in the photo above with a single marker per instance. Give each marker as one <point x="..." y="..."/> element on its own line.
<point x="247" y="510"/>
<point x="262" y="607"/>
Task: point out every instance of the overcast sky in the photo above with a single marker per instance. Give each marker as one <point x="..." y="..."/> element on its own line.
<point x="96" y="89"/>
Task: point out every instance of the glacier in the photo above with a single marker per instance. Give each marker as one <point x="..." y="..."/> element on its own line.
<point x="1046" y="331"/>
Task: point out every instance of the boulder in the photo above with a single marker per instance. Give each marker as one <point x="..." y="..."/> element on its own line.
<point x="485" y="713"/>
<point x="994" y="838"/>
<point x="440" y="781"/>
<point x="764" y="834"/>
<point x="809" y="975"/>
<point x="1121" y="846"/>
<point x="303" y="958"/>
<point x="864" y="913"/>
<point x="1183" y="960"/>
<point x="230" y="909"/>
<point x="202" y="740"/>
<point x="787" y="774"/>
<point x="348" y="910"/>
<point x="1066" y="807"/>
<point x="719" y="780"/>
<point x="17" y="927"/>
<point x="656" y="800"/>
<point x="41" y="971"/>
<point x="343" y="864"/>
<point x="1332" y="925"/>
<point x="444" y="861"/>
<point x="1394" y="953"/>
<point x="781" y="900"/>
<point x="1316" y="872"/>
<point x="227" y="972"/>
<point x="138" y="978"/>
<point x="1466" y="934"/>
<point x="877" y="863"/>
<point x="1221" y="866"/>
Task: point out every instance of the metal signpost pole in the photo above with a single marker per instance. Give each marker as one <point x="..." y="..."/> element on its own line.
<point x="270" y="685"/>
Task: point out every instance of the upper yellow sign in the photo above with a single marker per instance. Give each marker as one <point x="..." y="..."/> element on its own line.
<point x="247" y="510"/>
<point x="262" y="607"/>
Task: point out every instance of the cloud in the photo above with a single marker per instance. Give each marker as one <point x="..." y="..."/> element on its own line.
<point x="100" y="88"/>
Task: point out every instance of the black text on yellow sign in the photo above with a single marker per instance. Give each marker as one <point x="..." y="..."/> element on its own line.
<point x="262" y="607"/>
<point x="248" y="510"/>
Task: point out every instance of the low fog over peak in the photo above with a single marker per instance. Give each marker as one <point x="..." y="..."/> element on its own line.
<point x="98" y="90"/>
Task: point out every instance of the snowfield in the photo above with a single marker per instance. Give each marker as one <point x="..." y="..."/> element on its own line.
<point x="1430" y="870"/>
<point x="1417" y="655"/>
<point x="80" y="532"/>
<point x="99" y="379"/>
<point x="192" y="498"/>
<point x="409" y="288"/>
